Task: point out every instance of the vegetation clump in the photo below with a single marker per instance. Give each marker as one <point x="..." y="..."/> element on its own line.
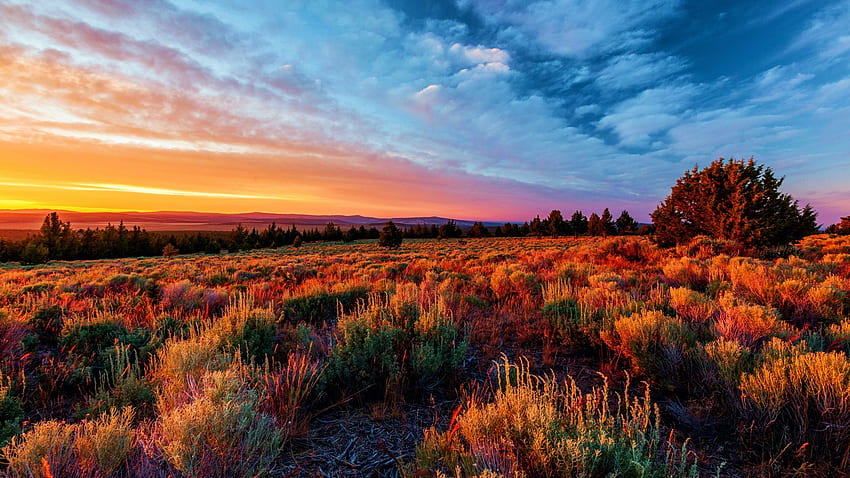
<point x="392" y="343"/>
<point x="537" y="426"/>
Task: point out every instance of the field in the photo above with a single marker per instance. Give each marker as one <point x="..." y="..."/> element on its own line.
<point x="482" y="357"/>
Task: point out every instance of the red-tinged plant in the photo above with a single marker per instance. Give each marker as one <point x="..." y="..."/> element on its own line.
<point x="288" y="392"/>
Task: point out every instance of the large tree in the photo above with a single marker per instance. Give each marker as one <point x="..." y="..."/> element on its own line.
<point x="736" y="200"/>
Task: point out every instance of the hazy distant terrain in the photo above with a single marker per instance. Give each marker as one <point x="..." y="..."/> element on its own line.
<point x="31" y="219"/>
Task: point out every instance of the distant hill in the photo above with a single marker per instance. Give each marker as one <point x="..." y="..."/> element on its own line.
<point x="31" y="219"/>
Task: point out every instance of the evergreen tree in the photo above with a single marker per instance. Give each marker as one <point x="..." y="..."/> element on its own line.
<point x="625" y="224"/>
<point x="578" y="223"/>
<point x="450" y="229"/>
<point x="736" y="200"/>
<point x="35" y="252"/>
<point x="478" y="230"/>
<point x="536" y="227"/>
<point x="56" y="236"/>
<point x="595" y="226"/>
<point x="842" y="227"/>
<point x="390" y="237"/>
<point x="607" y="223"/>
<point x="556" y="223"/>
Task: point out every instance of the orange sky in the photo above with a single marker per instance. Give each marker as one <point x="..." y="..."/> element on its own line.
<point x="84" y="176"/>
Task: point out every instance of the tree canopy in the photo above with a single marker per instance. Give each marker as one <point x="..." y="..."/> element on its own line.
<point x="736" y="200"/>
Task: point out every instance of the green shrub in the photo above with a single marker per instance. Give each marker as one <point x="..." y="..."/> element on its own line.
<point x="724" y="362"/>
<point x="244" y="327"/>
<point x="220" y="433"/>
<point x="322" y="306"/>
<point x="47" y="322"/>
<point x="535" y="426"/>
<point x="122" y="385"/>
<point x="95" y="448"/>
<point x="577" y="314"/>
<point x="95" y="338"/>
<point x="11" y="412"/>
<point x="104" y="444"/>
<point x="437" y="352"/>
<point x="391" y="345"/>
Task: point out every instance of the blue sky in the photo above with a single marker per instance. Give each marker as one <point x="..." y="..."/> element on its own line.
<point x="492" y="109"/>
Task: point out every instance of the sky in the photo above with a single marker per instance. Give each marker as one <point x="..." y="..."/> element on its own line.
<point x="473" y="109"/>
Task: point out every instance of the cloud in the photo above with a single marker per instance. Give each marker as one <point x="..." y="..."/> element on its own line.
<point x="826" y="33"/>
<point x="479" y="54"/>
<point x="631" y="70"/>
<point x="578" y="28"/>
<point x="650" y="113"/>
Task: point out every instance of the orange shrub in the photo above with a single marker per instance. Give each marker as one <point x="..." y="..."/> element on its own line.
<point x="747" y="324"/>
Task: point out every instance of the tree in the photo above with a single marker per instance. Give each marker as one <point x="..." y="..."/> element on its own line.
<point x="350" y="235"/>
<point x="34" y="253"/>
<point x="557" y="226"/>
<point x="170" y="250"/>
<point x="735" y="200"/>
<point x="56" y="236"/>
<point x="607" y="223"/>
<point x="390" y="237"/>
<point x="625" y="224"/>
<point x="842" y="227"/>
<point x="478" y="230"/>
<point x="449" y="229"/>
<point x="595" y="227"/>
<point x="578" y="223"/>
<point x="331" y="232"/>
<point x="536" y="226"/>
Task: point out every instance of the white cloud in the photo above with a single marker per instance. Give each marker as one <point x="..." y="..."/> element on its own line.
<point x="576" y="27"/>
<point x="479" y="54"/>
<point x="638" y="69"/>
<point x="826" y="33"/>
<point x="649" y="113"/>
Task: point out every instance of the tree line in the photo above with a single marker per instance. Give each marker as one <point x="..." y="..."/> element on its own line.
<point x="57" y="240"/>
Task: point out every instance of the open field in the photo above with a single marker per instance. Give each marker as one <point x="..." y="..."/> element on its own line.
<point x="482" y="357"/>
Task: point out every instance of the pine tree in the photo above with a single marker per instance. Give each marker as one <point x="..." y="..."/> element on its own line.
<point x="557" y="226"/>
<point x="607" y="223"/>
<point x="578" y="223"/>
<point x="625" y="224"/>
<point x="595" y="227"/>
<point x="390" y="237"/>
<point x="478" y="230"/>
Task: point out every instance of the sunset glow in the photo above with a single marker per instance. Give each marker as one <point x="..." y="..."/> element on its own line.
<point x="471" y="108"/>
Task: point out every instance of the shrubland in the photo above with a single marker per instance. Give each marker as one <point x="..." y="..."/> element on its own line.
<point x="527" y="357"/>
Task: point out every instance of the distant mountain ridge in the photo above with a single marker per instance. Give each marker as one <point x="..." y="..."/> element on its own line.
<point x="31" y="219"/>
